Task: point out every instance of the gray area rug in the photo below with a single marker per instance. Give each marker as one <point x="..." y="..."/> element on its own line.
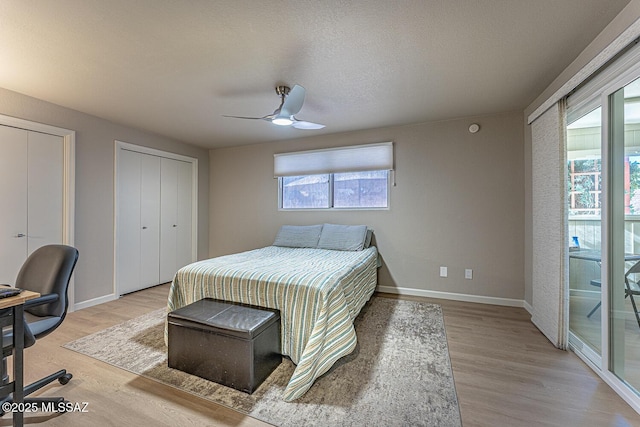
<point x="399" y="374"/>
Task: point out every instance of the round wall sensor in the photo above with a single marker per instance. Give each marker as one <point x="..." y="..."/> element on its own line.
<point x="474" y="127"/>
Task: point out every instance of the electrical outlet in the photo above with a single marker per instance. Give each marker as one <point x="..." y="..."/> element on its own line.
<point x="443" y="271"/>
<point x="468" y="273"/>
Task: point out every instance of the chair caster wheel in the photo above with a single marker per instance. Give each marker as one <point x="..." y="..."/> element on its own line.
<point x="65" y="379"/>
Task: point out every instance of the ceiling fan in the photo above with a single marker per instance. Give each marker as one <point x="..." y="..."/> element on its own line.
<point x="290" y="104"/>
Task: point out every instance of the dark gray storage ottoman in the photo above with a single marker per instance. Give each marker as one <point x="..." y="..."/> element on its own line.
<point x="236" y="345"/>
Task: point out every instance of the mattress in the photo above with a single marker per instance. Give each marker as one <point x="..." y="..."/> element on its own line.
<point x="319" y="293"/>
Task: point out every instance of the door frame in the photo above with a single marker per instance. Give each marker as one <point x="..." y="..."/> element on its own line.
<point x="69" y="180"/>
<point x="602" y="366"/>
<point x="623" y="79"/>
<point x="126" y="146"/>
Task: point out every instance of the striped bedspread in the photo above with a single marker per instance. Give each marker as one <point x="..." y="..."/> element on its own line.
<point x="319" y="293"/>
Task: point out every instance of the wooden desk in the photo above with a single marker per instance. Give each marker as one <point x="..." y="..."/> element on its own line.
<point x="17" y="321"/>
<point x="18" y="299"/>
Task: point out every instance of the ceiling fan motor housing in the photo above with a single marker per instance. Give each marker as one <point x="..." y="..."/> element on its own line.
<point x="282" y="90"/>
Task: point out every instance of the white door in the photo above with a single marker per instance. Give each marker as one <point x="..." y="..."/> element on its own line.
<point x="184" y="238"/>
<point x="13" y="193"/>
<point x="154" y="226"/>
<point x="31" y="188"/>
<point x="149" y="221"/>
<point x="128" y="222"/>
<point x="175" y="234"/>
<point x="168" y="219"/>
<point x="44" y="190"/>
<point x="138" y="240"/>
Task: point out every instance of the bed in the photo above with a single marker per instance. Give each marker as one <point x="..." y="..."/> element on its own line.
<point x="319" y="291"/>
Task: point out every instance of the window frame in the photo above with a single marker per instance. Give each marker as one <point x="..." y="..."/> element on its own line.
<point x="331" y="197"/>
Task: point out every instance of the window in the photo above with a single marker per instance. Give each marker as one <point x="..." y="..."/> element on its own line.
<point x="356" y="190"/>
<point x="304" y="192"/>
<point x="360" y="189"/>
<point x="585" y="187"/>
<point x="353" y="177"/>
<point x="585" y="164"/>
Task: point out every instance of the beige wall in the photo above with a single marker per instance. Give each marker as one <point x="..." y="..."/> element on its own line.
<point x="94" y="198"/>
<point x="458" y="202"/>
<point x="625" y="18"/>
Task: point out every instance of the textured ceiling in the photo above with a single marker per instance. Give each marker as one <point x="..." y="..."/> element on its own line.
<point x="175" y="67"/>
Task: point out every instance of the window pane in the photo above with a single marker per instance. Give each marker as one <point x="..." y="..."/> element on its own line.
<point x="360" y="189"/>
<point x="585" y="191"/>
<point x="585" y="184"/>
<point x="584" y="166"/>
<point x="305" y="192"/>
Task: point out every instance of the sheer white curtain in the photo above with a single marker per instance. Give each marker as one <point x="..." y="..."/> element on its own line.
<point x="550" y="230"/>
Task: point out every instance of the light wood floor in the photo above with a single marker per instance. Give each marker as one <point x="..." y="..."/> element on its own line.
<point x="506" y="374"/>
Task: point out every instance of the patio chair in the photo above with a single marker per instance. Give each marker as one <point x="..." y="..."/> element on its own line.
<point x="631" y="289"/>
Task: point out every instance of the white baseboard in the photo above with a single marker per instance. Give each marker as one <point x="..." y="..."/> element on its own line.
<point x="95" y="301"/>
<point x="388" y="289"/>
<point x="456" y="297"/>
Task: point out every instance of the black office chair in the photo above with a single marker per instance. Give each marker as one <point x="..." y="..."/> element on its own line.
<point x="46" y="271"/>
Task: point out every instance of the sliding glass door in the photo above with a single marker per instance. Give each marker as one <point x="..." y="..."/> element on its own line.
<point x="603" y="180"/>
<point x="623" y="231"/>
<point x="584" y="166"/>
<point x="603" y="214"/>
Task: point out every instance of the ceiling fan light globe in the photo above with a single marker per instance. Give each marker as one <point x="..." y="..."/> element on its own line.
<point x="282" y="121"/>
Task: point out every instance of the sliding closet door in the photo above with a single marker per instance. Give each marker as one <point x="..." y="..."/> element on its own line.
<point x="150" y="220"/>
<point x="128" y="222"/>
<point x="45" y="159"/>
<point x="31" y="190"/>
<point x="138" y="221"/>
<point x="13" y="193"/>
<point x="169" y="218"/>
<point x="184" y="238"/>
<point x="175" y="227"/>
<point x="155" y="234"/>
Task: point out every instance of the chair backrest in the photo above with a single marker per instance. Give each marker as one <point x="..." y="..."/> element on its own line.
<point x="48" y="271"/>
<point x="634" y="269"/>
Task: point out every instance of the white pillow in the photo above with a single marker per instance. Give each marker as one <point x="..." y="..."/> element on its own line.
<point x="298" y="236"/>
<point x="343" y="237"/>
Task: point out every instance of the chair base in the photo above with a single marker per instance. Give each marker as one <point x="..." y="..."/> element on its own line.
<point x="52" y="404"/>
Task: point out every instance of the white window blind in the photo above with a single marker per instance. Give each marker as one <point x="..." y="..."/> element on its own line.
<point x="353" y="158"/>
<point x="550" y="264"/>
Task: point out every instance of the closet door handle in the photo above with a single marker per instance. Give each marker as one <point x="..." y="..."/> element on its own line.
<point x="144" y="228"/>
<point x="175" y="225"/>
<point x="19" y="235"/>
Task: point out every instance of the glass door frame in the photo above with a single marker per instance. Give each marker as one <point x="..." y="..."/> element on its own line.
<point x="604" y="370"/>
<point x="577" y="340"/>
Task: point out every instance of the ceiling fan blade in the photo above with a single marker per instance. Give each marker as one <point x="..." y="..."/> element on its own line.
<point x="250" y="118"/>
<point x="290" y="104"/>
<point x="293" y="102"/>
<point x="301" y="124"/>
